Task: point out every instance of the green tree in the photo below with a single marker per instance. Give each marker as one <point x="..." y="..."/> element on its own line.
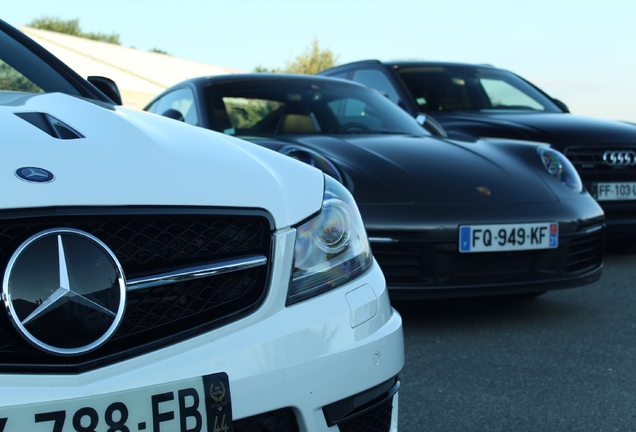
<point x="12" y="80"/>
<point x="71" y="27"/>
<point x="261" y="69"/>
<point x="159" y="51"/>
<point x="314" y="60"/>
<point x="112" y="38"/>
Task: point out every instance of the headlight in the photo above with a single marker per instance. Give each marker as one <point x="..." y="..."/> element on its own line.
<point x="560" y="167"/>
<point x="332" y="248"/>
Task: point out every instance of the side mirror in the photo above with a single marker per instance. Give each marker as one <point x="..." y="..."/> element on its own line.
<point x="108" y="87"/>
<point x="173" y="114"/>
<point x="561" y="105"/>
<point x="431" y="125"/>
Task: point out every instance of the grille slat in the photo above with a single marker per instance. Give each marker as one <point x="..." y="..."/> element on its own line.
<point x="412" y="263"/>
<point x="588" y="161"/>
<point x="584" y="253"/>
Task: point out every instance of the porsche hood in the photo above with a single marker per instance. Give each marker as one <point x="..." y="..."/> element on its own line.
<point x="105" y="156"/>
<point x="403" y="169"/>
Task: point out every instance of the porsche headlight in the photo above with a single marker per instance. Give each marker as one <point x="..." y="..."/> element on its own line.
<point x="332" y="248"/>
<point x="560" y="167"/>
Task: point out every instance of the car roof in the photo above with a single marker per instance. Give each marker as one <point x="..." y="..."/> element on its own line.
<point x="403" y="63"/>
<point x="408" y="63"/>
<point x="215" y="79"/>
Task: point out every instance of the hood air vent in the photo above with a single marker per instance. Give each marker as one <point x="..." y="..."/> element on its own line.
<point x="49" y="124"/>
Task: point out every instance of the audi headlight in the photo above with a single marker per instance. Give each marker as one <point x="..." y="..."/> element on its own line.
<point x="332" y="248"/>
<point x="560" y="167"/>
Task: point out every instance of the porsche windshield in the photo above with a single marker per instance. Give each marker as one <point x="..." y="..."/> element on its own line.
<point x="275" y="106"/>
<point x="458" y="88"/>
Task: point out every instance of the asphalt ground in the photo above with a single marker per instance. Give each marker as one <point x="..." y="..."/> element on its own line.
<point x="565" y="361"/>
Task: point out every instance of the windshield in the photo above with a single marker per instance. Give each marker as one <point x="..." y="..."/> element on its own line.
<point x="292" y="105"/>
<point x="23" y="71"/>
<point x="458" y="88"/>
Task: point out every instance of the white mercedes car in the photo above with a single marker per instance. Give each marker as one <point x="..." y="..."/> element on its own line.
<point x="162" y="277"/>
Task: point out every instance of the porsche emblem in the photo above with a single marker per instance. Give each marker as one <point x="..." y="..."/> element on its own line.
<point x="484" y="190"/>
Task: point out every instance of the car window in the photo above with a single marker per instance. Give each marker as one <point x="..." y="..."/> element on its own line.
<point x="12" y="80"/>
<point x="267" y="107"/>
<point x="453" y="88"/>
<point x="343" y="75"/>
<point x="354" y="114"/>
<point x="455" y="96"/>
<point x="377" y="80"/>
<point x="24" y="71"/>
<point x="178" y="104"/>
<point x="504" y="95"/>
<point x="245" y="113"/>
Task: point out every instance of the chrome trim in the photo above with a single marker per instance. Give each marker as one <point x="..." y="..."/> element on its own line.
<point x="196" y="272"/>
<point x="383" y="240"/>
<point x="64" y="292"/>
<point x="620" y="157"/>
<point x="590" y="230"/>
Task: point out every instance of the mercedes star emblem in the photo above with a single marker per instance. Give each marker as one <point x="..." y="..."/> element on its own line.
<point x="34" y="175"/>
<point x="64" y="291"/>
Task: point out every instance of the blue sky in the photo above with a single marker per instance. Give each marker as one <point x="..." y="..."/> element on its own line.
<point x="580" y="51"/>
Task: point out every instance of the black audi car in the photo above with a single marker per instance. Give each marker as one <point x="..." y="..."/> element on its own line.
<point x="483" y="101"/>
<point x="445" y="217"/>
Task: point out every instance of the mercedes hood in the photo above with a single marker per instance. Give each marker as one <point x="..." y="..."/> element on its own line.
<point x="112" y="156"/>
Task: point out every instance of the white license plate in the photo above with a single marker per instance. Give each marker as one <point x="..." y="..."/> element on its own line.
<point x="614" y="191"/>
<point x="508" y="237"/>
<point x="198" y="404"/>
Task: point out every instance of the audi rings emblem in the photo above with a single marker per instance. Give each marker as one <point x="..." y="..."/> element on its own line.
<point x="617" y="158"/>
<point x="64" y="291"/>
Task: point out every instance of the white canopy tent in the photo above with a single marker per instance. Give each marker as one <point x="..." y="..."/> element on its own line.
<point x="140" y="75"/>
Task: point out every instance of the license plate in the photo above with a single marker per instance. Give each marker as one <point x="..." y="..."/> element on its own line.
<point x="508" y="237"/>
<point x="198" y="404"/>
<point x="614" y="191"/>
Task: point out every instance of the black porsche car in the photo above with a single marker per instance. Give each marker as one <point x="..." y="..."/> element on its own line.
<point x="445" y="217"/>
<point x="471" y="101"/>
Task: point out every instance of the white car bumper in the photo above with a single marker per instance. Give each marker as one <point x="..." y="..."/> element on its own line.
<point x="303" y="357"/>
